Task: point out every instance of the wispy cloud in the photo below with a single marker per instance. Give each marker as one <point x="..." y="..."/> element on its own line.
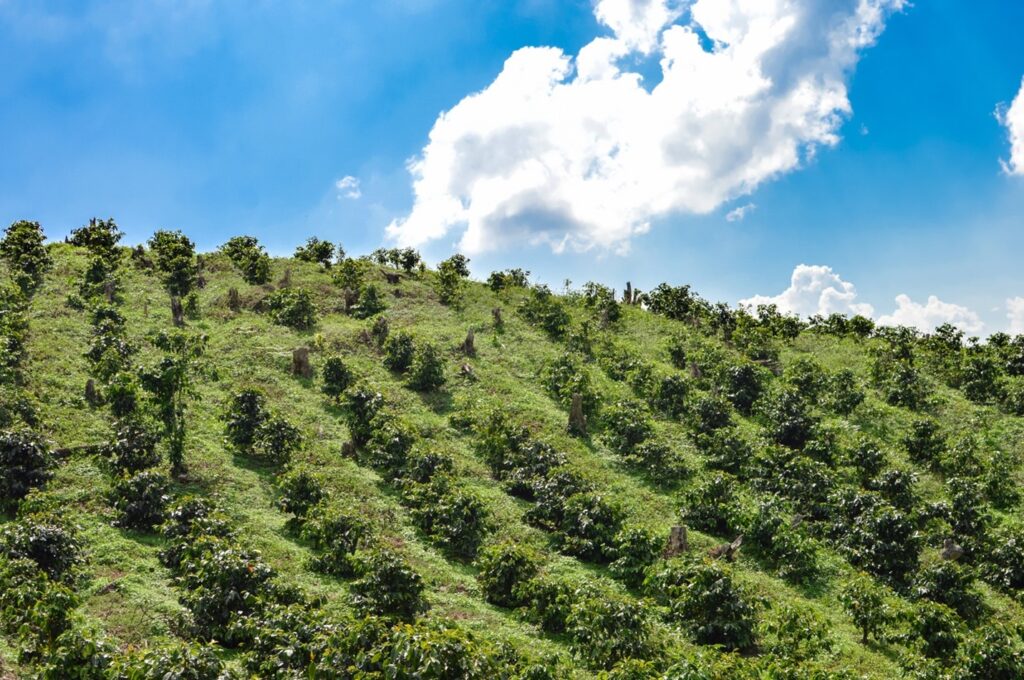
<point x="349" y="187"/>
<point x="737" y="214"/>
<point x="1013" y="119"/>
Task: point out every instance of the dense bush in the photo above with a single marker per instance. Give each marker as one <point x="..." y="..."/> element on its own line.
<point x="1006" y="563"/>
<point x="246" y="253"/>
<point x="542" y="308"/>
<point x="299" y="490"/>
<point x="794" y="634"/>
<point x="140" y="500"/>
<point x="635" y="549"/>
<point x="509" y="278"/>
<point x="568" y="375"/>
<point x="337" y="377"/>
<point x="53" y="545"/>
<point x="867" y="604"/>
<point x="627" y="425"/>
<point x="398" y="351"/>
<point x="387" y="586"/>
<point x="549" y="601"/>
<point x="709" y="413"/>
<point x="703" y="597"/>
<point x="551" y="493"/>
<point x="606" y="629"/>
<point x="503" y="569"/>
<point x="25" y="464"/>
<point x="670" y="395"/>
<point x="786" y="418"/>
<point x="451" y="275"/>
<point x="35" y="608"/>
<point x="587" y="527"/>
<point x="426" y="373"/>
<point x="877" y="537"/>
<point x="187" y="520"/>
<point x="744" y="384"/>
<point x="177" y="662"/>
<point x="336" y="534"/>
<point x="276" y="440"/>
<point x="293" y="307"/>
<point x="725" y="449"/>
<point x="951" y="584"/>
<point x="712" y="506"/>
<point x="439" y="650"/>
<point x="26" y="256"/>
<point x="993" y="652"/>
<point x="389" y="446"/>
<point x="362" y="404"/>
<point x="843" y="393"/>
<point x="245" y="414"/>
<point x="315" y="250"/>
<point x="453" y="517"/>
<point x="132" y="448"/>
<point x="175" y="260"/>
<point x="773" y="536"/>
<point x="937" y="628"/>
<point x="925" y="443"/>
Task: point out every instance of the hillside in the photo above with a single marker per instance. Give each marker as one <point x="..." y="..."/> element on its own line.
<point x="421" y="504"/>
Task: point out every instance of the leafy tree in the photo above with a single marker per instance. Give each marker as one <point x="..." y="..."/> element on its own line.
<point x="50" y="543"/>
<point x="100" y="238"/>
<point x="711" y="505"/>
<point x="843" y="393"/>
<point x="786" y="418"/>
<point x="293" y="307"/>
<point x="398" y="351"/>
<point x="543" y="308"/>
<point x="337" y="377"/>
<point x="369" y="302"/>
<point x="865" y="602"/>
<point x="318" y="251"/>
<point x="951" y="584"/>
<point x="427" y="370"/>
<point x="171" y="384"/>
<point x="246" y="253"/>
<point x="26" y="257"/>
<point x="299" y="491"/>
<point x="635" y="550"/>
<point x="509" y="278"/>
<point x="25" y="464"/>
<point x="925" y="443"/>
<point x="451" y="275"/>
<point x="176" y="262"/>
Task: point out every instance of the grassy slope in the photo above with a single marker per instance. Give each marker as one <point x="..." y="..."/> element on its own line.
<point x="130" y="595"/>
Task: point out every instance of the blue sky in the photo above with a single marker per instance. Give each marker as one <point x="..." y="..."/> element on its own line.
<point x="222" y="118"/>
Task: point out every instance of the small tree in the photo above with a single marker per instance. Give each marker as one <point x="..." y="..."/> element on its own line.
<point x="503" y="569"/>
<point x="293" y="307"/>
<point x="318" y="251"/>
<point x="337" y="377"/>
<point x="26" y="256"/>
<point x="865" y="602"/>
<point x="25" y="464"/>
<point x="176" y="262"/>
<point x="427" y="370"/>
<point x="451" y="276"/>
<point x="170" y="384"/>
<point x="398" y="351"/>
<point x="249" y="257"/>
<point x="387" y="586"/>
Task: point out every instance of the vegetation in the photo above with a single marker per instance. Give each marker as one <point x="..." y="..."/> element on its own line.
<point x="849" y="494"/>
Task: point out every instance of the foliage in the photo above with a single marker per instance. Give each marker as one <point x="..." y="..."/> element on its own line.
<point x="337" y="377"/>
<point x="362" y="404"/>
<point x="140" y="500"/>
<point x="25" y="464"/>
<point x="503" y="569"/>
<point x="299" y="490"/>
<point x="388" y="587"/>
<point x="607" y="629"/>
<point x="867" y="605"/>
<point x="509" y="278"/>
<point x="175" y="260"/>
<point x="568" y="376"/>
<point x="588" y="526"/>
<point x="711" y="505"/>
<point x="398" y="351"/>
<point x="426" y="373"/>
<point x="246" y="253"/>
<point x="315" y="250"/>
<point x="53" y="545"/>
<point x="452" y="516"/>
<point x="369" y="302"/>
<point x="951" y="584"/>
<point x="635" y="549"/>
<point x="451" y="275"/>
<point x="336" y="534"/>
<point x="133" y="448"/>
<point x="542" y="308"/>
<point x="26" y="256"/>
<point x="293" y="307"/>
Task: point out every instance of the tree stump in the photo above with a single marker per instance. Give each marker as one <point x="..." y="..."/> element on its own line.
<point x="234" y="300"/>
<point x="627" y="295"/>
<point x="300" y="363"/>
<point x="577" y="419"/>
<point x="393" y="279"/>
<point x="728" y="551"/>
<point x="499" y="323"/>
<point x="92" y="397"/>
<point x="951" y="551"/>
<point x="677" y="542"/>
<point x="468" y="345"/>
<point x="109" y="289"/>
<point x="177" y="312"/>
<point x="286" y="280"/>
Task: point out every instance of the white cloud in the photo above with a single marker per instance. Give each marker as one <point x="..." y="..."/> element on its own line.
<point x="576" y="152"/>
<point x="349" y="187"/>
<point x="1013" y="119"/>
<point x="1015" y="313"/>
<point x="814" y="289"/>
<point x="929" y="316"/>
<point x="737" y="214"/>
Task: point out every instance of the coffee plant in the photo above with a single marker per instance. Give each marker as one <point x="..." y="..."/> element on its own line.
<point x="293" y="307"/>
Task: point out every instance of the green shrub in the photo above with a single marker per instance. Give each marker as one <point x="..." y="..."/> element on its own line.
<point x="588" y="526"/>
<point x="439" y="650"/>
<point x="786" y="418"/>
<point x="551" y="494"/>
<point x="670" y="395"/>
<point x="794" y="634"/>
<point x="627" y="426"/>
<point x="362" y="404"/>
<point x="427" y="370"/>
<point x="122" y="394"/>
<point x="175" y="260"/>
<point x="52" y="544"/>
<point x="712" y="506"/>
<point x="951" y="584"/>
<point x="549" y="601"/>
<point x="925" y="443"/>
<point x="318" y="251"/>
<point x="187" y="520"/>
<point x="877" y="537"/>
<point x="337" y="377"/>
<point x="369" y="302"/>
<point x="542" y="308"/>
<point x="26" y="257"/>
<point x="452" y="516"/>
<point x="140" y="500"/>
<point x="1006" y="564"/>
<point x="710" y="413"/>
<point x="867" y="605"/>
<point x="336" y="534"/>
<point x="936" y="627"/>
<point x="78" y="650"/>
<point x="504" y="568"/>
<point x="744" y="384"/>
<point x="299" y="490"/>
<point x="293" y="307"/>
<point x="245" y="414"/>
<point x="275" y="442"/>
<point x="34" y="608"/>
<point x="387" y="586"/>
<point x="607" y="629"/>
<point x="786" y="547"/>
<point x="421" y="467"/>
<point x="635" y="550"/>
<point x="398" y="351"/>
<point x="177" y="662"/>
<point x="568" y="375"/>
<point x="133" y="448"/>
<point x="509" y="278"/>
<point x="843" y="393"/>
<point x="99" y="237"/>
<point x="993" y="652"/>
<point x="246" y="253"/>
<point x="390" y="444"/>
<point x="450" y="283"/>
<point x="25" y="464"/>
<point x="725" y="449"/>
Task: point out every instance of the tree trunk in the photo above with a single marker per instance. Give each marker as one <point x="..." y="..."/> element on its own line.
<point x="177" y="312"/>
<point x="577" y="419"/>
<point x="300" y="363"/>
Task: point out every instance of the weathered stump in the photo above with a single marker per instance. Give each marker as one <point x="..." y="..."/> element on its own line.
<point x="627" y="295"/>
<point x="300" y="363"/>
<point x="677" y="542"/>
<point x="393" y="279"/>
<point x="234" y="300"/>
<point x="951" y="551"/>
<point x="380" y="330"/>
<point x="286" y="280"/>
<point x="177" y="312"/>
<point x="109" y="290"/>
<point x="499" y="322"/>
<point x="728" y="551"/>
<point x="468" y="345"/>
<point x="92" y="397"/>
<point x="577" y="419"/>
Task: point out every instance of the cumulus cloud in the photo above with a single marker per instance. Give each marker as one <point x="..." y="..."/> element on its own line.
<point x="927" y="317"/>
<point x="581" y="152"/>
<point x="814" y="289"/>
<point x="349" y="187"/>
<point x="1013" y="119"/>
<point x="1015" y="313"/>
<point x="737" y="214"/>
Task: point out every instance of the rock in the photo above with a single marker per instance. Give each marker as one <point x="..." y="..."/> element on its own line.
<point x="177" y="312"/>
<point x="951" y="550"/>
<point x="300" y="363"/>
<point x="577" y="419"/>
<point x="677" y="542"/>
<point x="466" y="371"/>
